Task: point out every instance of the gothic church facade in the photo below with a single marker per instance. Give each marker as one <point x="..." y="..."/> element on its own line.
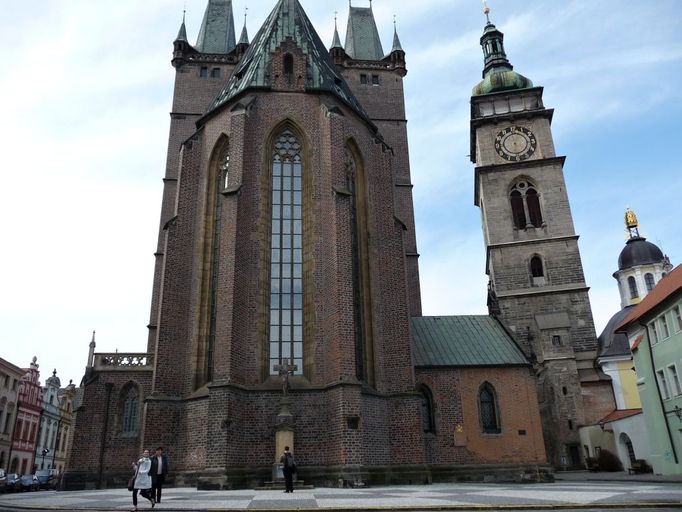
<point x="287" y="244"/>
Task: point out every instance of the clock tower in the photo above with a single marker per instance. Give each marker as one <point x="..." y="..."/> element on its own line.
<point x="537" y="286"/>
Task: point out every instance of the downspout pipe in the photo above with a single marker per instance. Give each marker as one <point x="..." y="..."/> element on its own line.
<point x="658" y="391"/>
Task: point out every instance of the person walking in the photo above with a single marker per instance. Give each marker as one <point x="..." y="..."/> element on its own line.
<point x="288" y="468"/>
<point x="158" y="472"/>
<point x="143" y="482"/>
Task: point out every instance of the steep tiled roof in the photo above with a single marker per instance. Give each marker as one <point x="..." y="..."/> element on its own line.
<point x="216" y="34"/>
<point x="463" y="341"/>
<point x="362" y="36"/>
<point x="288" y="20"/>
<point x="666" y="287"/>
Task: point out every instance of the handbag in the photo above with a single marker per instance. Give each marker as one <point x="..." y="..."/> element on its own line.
<point x="131" y="483"/>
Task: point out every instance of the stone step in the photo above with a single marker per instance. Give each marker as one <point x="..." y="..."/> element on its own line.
<point x="279" y="486"/>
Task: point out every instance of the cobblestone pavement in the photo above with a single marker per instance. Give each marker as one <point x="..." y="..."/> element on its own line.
<point x="614" y="495"/>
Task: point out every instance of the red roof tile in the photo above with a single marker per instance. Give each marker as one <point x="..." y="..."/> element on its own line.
<point x="619" y="414"/>
<point x="664" y="289"/>
<point x="638" y="340"/>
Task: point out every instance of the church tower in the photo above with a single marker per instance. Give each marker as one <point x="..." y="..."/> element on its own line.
<point x="537" y="286"/>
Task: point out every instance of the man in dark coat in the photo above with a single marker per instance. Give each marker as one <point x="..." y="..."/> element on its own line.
<point x="288" y="468"/>
<point x="158" y="472"/>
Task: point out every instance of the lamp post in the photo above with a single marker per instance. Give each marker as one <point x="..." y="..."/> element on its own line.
<point x="45" y="452"/>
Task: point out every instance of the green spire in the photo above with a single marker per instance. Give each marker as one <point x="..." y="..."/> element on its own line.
<point x="336" y="42"/>
<point x="244" y="38"/>
<point x="498" y="73"/>
<point x="217" y="33"/>
<point x="397" y="47"/>
<point x="362" y="36"/>
<point x="182" y="33"/>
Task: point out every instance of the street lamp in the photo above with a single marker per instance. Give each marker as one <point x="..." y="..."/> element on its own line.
<point x="45" y="452"/>
<point x="677" y="412"/>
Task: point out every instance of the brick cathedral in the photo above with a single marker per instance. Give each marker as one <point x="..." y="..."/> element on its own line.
<point x="286" y="300"/>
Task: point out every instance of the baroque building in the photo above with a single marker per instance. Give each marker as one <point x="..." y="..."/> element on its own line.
<point x="624" y="431"/>
<point x="29" y="411"/>
<point x="286" y="305"/>
<point x="10" y="376"/>
<point x="55" y="423"/>
<point x="537" y="286"/>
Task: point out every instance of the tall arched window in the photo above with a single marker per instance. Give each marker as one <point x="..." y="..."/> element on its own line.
<point x="525" y="205"/>
<point x="633" y="287"/>
<point x="286" y="263"/>
<point x="490" y="423"/>
<point x="649" y="281"/>
<point x="129" y="412"/>
<point x="427" y="410"/>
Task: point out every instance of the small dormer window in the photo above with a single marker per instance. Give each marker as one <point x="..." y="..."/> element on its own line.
<point x="363" y="79"/>
<point x="203" y="72"/>
<point x="215" y="73"/>
<point x="375" y="79"/>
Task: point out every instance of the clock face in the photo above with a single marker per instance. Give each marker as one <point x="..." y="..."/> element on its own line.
<point x="515" y="143"/>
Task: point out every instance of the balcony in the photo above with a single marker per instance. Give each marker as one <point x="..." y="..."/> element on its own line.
<point x="119" y="361"/>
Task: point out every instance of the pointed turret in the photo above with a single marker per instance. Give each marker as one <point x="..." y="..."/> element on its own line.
<point x="287" y="34"/>
<point x="397" y="54"/>
<point x="362" y="36"/>
<point x="182" y="33"/>
<point x="397" y="47"/>
<point x="244" y="38"/>
<point x="336" y="41"/>
<point x="217" y="34"/>
<point x="498" y="73"/>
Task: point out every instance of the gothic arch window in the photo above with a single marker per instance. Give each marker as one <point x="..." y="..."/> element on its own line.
<point x="649" y="281"/>
<point x="130" y="409"/>
<point x="426" y="409"/>
<point x="633" y="287"/>
<point x="525" y="205"/>
<point x="487" y="402"/>
<point x="537" y="271"/>
<point x="224" y="168"/>
<point x="286" y="255"/>
<point x="362" y="302"/>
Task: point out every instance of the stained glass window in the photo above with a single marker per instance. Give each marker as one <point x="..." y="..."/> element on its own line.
<point x="129" y="420"/>
<point x="286" y="261"/>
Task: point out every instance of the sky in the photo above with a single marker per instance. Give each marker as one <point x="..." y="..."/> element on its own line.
<point x="87" y="90"/>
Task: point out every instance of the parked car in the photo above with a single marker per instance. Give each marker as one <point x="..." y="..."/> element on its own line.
<point x="29" y="483"/>
<point x="47" y="478"/>
<point x="12" y="483"/>
<point x="3" y="480"/>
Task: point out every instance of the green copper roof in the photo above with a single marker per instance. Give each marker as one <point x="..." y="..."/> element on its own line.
<point x="498" y="73"/>
<point x="182" y="33"/>
<point x="362" y="36"/>
<point x="288" y="20"/>
<point x="397" y="47"/>
<point x="244" y="38"/>
<point x="216" y="34"/>
<point x="463" y="341"/>
<point x="336" y="42"/>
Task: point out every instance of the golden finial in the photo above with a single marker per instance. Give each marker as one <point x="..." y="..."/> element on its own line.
<point x="486" y="10"/>
<point x="630" y="219"/>
<point x="631" y="223"/>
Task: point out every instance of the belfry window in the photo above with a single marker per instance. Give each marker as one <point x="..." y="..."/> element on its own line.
<point x="525" y="205"/>
<point x="488" y="410"/>
<point x="286" y="263"/>
<point x="649" y="281"/>
<point x="633" y="287"/>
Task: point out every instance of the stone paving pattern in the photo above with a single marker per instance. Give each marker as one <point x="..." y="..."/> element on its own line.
<point x="442" y="496"/>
